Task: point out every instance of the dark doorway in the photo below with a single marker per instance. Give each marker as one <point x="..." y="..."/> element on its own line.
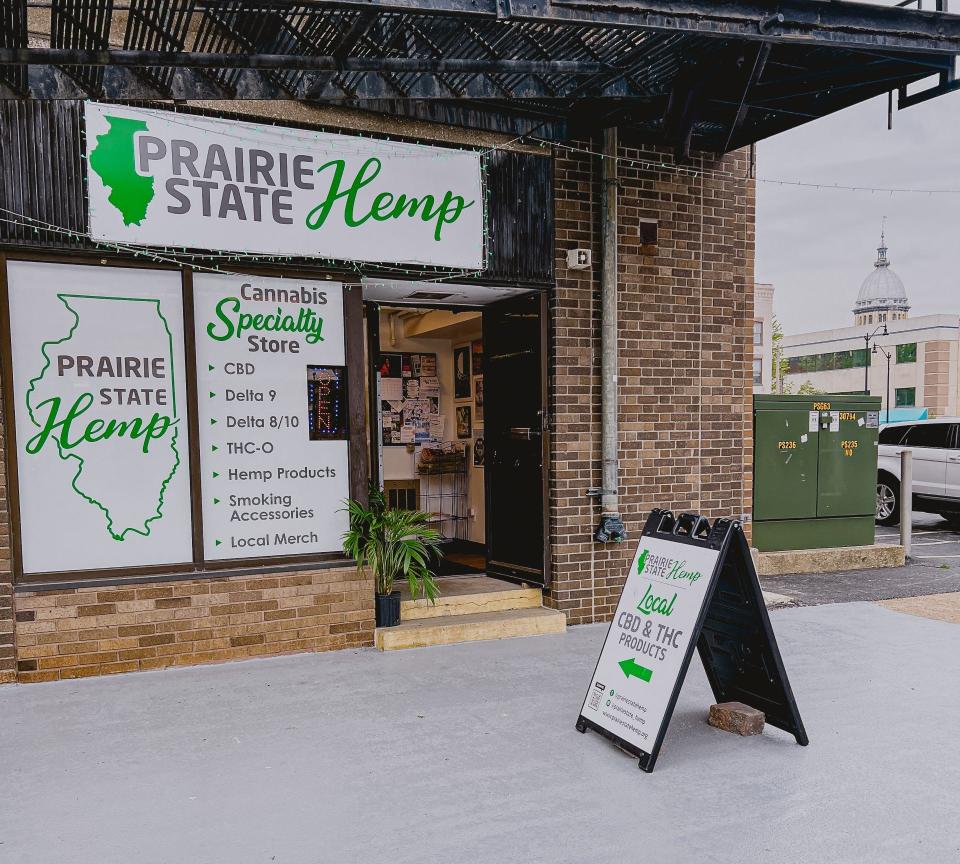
<point x="517" y="438"/>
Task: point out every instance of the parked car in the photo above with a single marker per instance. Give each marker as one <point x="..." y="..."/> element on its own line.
<point x="936" y="468"/>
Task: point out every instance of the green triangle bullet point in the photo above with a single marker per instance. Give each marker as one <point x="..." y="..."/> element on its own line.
<point x="217" y="542"/>
<point x="214" y="447"/>
<point x="212" y="394"/>
<point x="216" y="500"/>
<point x="213" y="422"/>
<point x="216" y="473"/>
<point x="210" y="367"/>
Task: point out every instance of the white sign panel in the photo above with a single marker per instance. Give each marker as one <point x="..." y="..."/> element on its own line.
<point x="642" y="656"/>
<point x="274" y="484"/>
<point x="101" y="416"/>
<point x="161" y="178"/>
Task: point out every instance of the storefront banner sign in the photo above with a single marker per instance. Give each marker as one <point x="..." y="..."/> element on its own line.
<point x="100" y="398"/>
<point x="646" y="648"/>
<point x="272" y="415"/>
<point x="160" y="178"/>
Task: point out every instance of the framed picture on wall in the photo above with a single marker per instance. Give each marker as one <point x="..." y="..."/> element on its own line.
<point x="478" y="397"/>
<point x="461" y="372"/>
<point x="478" y="452"/>
<point x="476" y="351"/>
<point x="464" y="426"/>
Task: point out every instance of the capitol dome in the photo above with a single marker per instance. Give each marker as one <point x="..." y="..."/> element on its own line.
<point x="882" y="296"/>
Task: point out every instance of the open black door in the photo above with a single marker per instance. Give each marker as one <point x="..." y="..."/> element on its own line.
<point x="516" y="438"/>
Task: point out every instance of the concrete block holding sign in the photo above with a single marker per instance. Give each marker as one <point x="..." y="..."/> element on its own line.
<point x="737" y="718"/>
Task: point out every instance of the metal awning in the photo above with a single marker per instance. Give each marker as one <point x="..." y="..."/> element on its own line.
<point x="689" y="73"/>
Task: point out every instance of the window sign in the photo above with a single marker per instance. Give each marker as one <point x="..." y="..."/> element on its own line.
<point x="272" y="415"/>
<point x="160" y="178"/>
<point x="101" y="416"/>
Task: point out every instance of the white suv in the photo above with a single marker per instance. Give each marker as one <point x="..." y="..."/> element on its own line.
<point x="936" y="468"/>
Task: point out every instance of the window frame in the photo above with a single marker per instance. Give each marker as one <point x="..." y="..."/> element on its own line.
<point x="896" y="399"/>
<point x="912" y="359"/>
<point x="197" y="567"/>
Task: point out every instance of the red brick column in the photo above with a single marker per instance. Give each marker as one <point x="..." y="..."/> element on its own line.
<point x="686" y="312"/>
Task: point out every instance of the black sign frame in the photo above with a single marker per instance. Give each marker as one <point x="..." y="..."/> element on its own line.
<point x="733" y="633"/>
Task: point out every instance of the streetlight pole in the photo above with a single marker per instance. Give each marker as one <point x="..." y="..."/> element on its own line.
<point x="866" y="359"/>
<point x="886" y="354"/>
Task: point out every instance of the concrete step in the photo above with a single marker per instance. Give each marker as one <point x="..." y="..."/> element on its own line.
<point x="448" y="629"/>
<point x="468" y="595"/>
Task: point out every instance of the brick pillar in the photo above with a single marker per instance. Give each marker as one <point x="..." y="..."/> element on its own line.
<point x="8" y="662"/>
<point x="685" y="341"/>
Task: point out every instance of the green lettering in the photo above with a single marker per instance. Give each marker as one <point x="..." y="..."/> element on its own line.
<point x="51" y="425"/>
<point x="221" y="314"/>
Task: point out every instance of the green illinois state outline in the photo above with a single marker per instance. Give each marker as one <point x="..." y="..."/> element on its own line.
<point x="113" y="161"/>
<point x="105" y="475"/>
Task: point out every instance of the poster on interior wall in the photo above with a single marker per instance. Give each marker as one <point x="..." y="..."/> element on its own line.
<point x="390" y="366"/>
<point x="274" y="460"/>
<point x="464" y="427"/>
<point x="409" y="398"/>
<point x="162" y="178"/>
<point x="478" y="451"/>
<point x="100" y="401"/>
<point x="461" y="372"/>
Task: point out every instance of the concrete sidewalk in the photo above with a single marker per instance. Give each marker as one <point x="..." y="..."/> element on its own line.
<point x="468" y="753"/>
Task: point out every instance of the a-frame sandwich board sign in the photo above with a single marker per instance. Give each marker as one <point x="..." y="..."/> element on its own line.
<point x="690" y="584"/>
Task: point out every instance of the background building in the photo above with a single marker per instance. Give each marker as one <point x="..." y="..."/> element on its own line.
<point x="762" y="337"/>
<point x="924" y="352"/>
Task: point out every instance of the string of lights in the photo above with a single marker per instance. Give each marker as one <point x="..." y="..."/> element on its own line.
<point x="230" y="262"/>
<point x="184" y="258"/>
<point x="652" y="165"/>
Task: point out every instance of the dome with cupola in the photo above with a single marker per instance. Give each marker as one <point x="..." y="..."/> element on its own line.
<point x="882" y="296"/>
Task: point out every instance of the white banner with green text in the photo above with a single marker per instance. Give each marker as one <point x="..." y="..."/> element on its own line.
<point x="167" y="179"/>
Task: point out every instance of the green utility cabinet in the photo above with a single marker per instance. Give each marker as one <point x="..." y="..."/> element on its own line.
<point x="814" y="471"/>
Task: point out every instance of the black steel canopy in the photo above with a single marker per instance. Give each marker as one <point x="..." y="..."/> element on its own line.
<point x="711" y="74"/>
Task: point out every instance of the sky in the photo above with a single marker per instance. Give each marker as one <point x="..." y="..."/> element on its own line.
<point x="817" y="246"/>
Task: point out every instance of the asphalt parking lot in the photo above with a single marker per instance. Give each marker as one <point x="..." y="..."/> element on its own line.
<point x="933" y="568"/>
<point x="933" y="539"/>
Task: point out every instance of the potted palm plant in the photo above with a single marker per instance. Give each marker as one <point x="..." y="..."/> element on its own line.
<point x="394" y="544"/>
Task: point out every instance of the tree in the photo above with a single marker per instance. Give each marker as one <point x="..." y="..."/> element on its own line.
<point x="807" y="389"/>
<point x="778" y="363"/>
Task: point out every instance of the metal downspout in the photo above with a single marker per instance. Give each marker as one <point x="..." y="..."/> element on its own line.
<point x="611" y="527"/>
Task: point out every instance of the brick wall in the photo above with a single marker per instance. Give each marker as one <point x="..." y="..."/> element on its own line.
<point x="7" y="656"/>
<point x="685" y="341"/>
<point x="98" y="631"/>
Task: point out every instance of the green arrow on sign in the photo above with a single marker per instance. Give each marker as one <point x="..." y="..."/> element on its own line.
<point x="210" y="367"/>
<point x="212" y="394"/>
<point x="216" y="500"/>
<point x="631" y="667"/>
<point x="217" y="542"/>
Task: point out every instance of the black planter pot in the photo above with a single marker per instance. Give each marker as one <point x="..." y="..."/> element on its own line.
<point x="388" y="609"/>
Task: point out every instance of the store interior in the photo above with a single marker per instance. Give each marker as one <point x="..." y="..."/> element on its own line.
<point x="431" y="424"/>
